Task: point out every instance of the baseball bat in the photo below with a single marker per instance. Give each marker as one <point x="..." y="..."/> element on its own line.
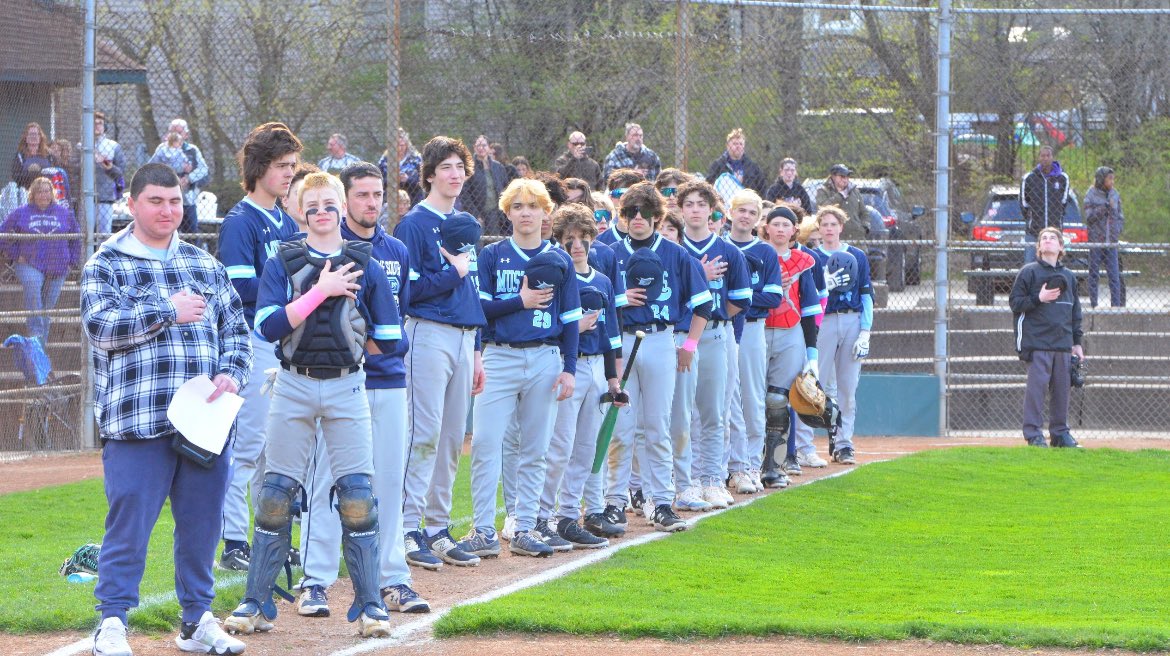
<point x="607" y="425"/>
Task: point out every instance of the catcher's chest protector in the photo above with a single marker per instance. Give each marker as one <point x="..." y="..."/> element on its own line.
<point x="333" y="335"/>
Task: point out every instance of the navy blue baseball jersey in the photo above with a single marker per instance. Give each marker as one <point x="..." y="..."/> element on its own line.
<point x="601" y="256"/>
<point x="251" y="234"/>
<point x="437" y="293"/>
<point x="501" y="269"/>
<point x="735" y="287"/>
<point x="387" y="370"/>
<point x="857" y="296"/>
<point x="607" y="334"/>
<point x="375" y="301"/>
<point x="684" y="287"/>
<point x="612" y="235"/>
<point x="767" y="291"/>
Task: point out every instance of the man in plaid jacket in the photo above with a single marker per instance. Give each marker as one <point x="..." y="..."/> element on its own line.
<point x="158" y="312"/>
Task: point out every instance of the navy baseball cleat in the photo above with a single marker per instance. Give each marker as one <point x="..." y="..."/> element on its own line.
<point x="1064" y="441"/>
<point x="404" y="599"/>
<point x="599" y="525"/>
<point x="445" y="548"/>
<point x="574" y="534"/>
<point x="528" y="543"/>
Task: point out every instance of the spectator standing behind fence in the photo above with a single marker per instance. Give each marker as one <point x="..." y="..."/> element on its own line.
<point x="1043" y="193"/>
<point x="1047" y="313"/>
<point x="108" y="177"/>
<point x="1105" y="221"/>
<point x="409" y="164"/>
<point x="186" y="160"/>
<point x="66" y="156"/>
<point x="158" y="311"/>
<point x="787" y="187"/>
<point x="41" y="264"/>
<point x="840" y="191"/>
<point x="522" y="166"/>
<point x="576" y="162"/>
<point x="632" y="154"/>
<point x="338" y="157"/>
<point x="482" y="191"/>
<point x="32" y="155"/>
<point x="735" y="161"/>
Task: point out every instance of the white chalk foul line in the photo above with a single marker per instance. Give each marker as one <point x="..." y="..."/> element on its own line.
<point x="400" y="636"/>
<point x="150" y="601"/>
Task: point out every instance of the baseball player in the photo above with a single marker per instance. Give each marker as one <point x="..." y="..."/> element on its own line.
<point x="747" y="444"/>
<point x="662" y="281"/>
<point x="791" y="335"/>
<point x="843" y="341"/>
<point x="444" y="368"/>
<point x="731" y="292"/>
<point x="251" y="234"/>
<point x="311" y="303"/>
<point x="386" y="394"/>
<point x="530" y="359"/>
<point x="574" y="441"/>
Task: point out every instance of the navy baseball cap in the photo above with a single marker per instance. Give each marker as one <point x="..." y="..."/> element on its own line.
<point x="460" y="233"/>
<point x="592" y="299"/>
<point x="547" y="270"/>
<point x="755" y="264"/>
<point x="644" y="269"/>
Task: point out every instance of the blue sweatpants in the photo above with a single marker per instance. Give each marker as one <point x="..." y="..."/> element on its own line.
<point x="139" y="476"/>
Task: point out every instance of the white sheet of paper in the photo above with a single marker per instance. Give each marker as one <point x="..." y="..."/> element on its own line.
<point x="205" y="424"/>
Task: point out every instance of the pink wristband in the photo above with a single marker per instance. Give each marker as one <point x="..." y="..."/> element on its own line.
<point x="690" y="345"/>
<point x="308" y="302"/>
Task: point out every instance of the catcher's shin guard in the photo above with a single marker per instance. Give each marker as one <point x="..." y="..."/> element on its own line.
<point x="776" y="423"/>
<point x="359" y="543"/>
<point x="271" y="539"/>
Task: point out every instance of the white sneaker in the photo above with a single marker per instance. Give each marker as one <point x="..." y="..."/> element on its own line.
<point x="726" y="495"/>
<point x="755" y="476"/>
<point x="742" y="483"/>
<point x="692" y="500"/>
<point x="648" y="513"/>
<point x="110" y="639"/>
<point x="810" y="460"/>
<point x="713" y="494"/>
<point x="509" y="528"/>
<point x="207" y="637"/>
<point x="373" y="627"/>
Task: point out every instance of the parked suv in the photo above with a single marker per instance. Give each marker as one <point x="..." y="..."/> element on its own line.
<point x="903" y="264"/>
<point x="1002" y="223"/>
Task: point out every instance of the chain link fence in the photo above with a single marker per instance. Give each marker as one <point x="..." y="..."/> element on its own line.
<point x="821" y="83"/>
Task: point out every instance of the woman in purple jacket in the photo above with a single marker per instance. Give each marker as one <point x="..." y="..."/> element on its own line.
<point x="41" y="264"/>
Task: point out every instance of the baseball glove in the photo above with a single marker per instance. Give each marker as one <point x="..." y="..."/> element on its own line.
<point x="806" y="395"/>
<point x="85" y="559"/>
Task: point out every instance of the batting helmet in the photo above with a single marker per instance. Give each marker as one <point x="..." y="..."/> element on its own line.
<point x="844" y="260"/>
<point x="547" y="270"/>
<point x="460" y="233"/>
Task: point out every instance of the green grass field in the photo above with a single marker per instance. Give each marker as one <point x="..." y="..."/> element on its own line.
<point x="45" y="526"/>
<point x="1019" y="546"/>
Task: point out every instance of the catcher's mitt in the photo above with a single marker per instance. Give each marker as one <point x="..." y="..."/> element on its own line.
<point x="85" y="559"/>
<point x="806" y="395"/>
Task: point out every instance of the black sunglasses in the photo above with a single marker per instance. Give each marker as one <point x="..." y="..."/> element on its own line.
<point x="601" y="215"/>
<point x="630" y="212"/>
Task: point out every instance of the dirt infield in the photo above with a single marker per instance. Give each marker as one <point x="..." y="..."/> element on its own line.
<point x="451" y="586"/>
<point x="40" y="470"/>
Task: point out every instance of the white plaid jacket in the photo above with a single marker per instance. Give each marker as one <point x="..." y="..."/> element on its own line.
<point x="140" y="355"/>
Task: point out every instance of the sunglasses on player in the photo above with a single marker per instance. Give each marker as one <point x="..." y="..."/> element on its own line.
<point x="617" y="193"/>
<point x="601" y="215"/>
<point x="629" y="213"/>
<point x="668" y="191"/>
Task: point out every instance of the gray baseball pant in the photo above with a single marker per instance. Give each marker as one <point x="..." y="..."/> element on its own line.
<point x="1048" y="374"/>
<point x="439" y="368"/>
<point x="645" y="427"/>
<point x="520" y="383"/>
<point x="752" y="360"/>
<point x="248" y="445"/>
<point x="320" y="530"/>
<point x="786" y="358"/>
<point x="840" y="372"/>
<point x="574" y="442"/>
<point x="708" y="420"/>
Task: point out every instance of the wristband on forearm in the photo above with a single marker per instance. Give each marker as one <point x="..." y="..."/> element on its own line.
<point x="309" y="301"/>
<point x="690" y="345"/>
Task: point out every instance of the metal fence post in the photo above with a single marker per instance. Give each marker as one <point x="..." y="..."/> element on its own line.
<point x="85" y="418"/>
<point x="393" y="81"/>
<point x="682" y="86"/>
<point x="942" y="205"/>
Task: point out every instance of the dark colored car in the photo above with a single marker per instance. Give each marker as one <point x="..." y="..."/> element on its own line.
<point x="903" y="264"/>
<point x="1002" y="223"/>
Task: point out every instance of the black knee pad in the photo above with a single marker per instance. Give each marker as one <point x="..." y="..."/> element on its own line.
<point x="355" y="502"/>
<point x="275" y="501"/>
